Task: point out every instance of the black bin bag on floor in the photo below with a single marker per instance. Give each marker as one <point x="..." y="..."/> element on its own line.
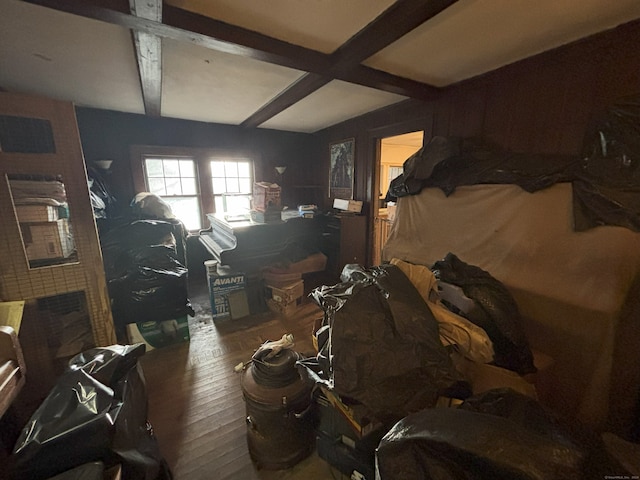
<point x="497" y="435"/>
<point x="385" y="349"/>
<point x="97" y="411"/>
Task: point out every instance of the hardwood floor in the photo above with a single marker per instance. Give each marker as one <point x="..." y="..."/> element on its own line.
<point x="195" y="399"/>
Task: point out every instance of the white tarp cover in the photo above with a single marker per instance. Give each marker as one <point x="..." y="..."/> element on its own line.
<point x="578" y="291"/>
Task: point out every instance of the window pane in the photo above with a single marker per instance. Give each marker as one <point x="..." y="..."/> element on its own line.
<point x="156" y="185"/>
<point x="171" y="168"/>
<point x="245" y="185"/>
<point x="186" y="209"/>
<point x="237" y="204"/>
<point x="217" y="169"/>
<point x="173" y="186"/>
<point x="219" y="185"/>
<point x="154" y="167"/>
<point x="244" y="169"/>
<point x="219" y="204"/>
<point x="231" y="169"/>
<point x="189" y="186"/>
<point x="232" y="185"/>
<point x="186" y="168"/>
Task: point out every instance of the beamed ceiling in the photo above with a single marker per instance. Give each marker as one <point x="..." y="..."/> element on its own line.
<point x="296" y="65"/>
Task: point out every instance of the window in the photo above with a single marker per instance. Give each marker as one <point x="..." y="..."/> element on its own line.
<point x="195" y="181"/>
<point x="174" y="180"/>
<point x="231" y="181"/>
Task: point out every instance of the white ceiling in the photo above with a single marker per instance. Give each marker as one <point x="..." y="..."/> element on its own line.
<point x="93" y="63"/>
<point x="68" y="58"/>
<point x="476" y="36"/>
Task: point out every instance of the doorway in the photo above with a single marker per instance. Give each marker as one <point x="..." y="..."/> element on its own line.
<point x="393" y="152"/>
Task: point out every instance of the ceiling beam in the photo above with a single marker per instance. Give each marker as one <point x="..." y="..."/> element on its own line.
<point x="399" y="19"/>
<point x="148" y="49"/>
<point x="395" y="22"/>
<point x="294" y="93"/>
<point x="189" y="27"/>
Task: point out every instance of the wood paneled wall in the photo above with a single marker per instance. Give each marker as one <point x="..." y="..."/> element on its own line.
<point x="543" y="104"/>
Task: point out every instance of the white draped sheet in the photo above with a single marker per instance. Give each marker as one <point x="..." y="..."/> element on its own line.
<point x="578" y="292"/>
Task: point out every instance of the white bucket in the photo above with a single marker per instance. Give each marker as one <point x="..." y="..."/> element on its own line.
<point x="212" y="267"/>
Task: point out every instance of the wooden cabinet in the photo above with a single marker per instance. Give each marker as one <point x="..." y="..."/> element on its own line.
<point x="344" y="240"/>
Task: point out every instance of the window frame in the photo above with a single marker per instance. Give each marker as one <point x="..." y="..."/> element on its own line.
<point x="201" y="157"/>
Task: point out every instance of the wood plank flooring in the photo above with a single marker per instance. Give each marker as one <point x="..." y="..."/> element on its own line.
<point x="195" y="399"/>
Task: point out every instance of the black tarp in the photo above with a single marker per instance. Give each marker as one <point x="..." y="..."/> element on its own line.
<point x="497" y="435"/>
<point x="97" y="411"/>
<point x="383" y="348"/>
<point x="146" y="279"/>
<point x="496" y="312"/>
<point x="605" y="176"/>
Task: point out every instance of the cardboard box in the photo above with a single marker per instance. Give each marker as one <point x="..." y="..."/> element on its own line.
<point x="337" y="417"/>
<point x="284" y="309"/>
<point x="222" y="284"/>
<point x="348" y="205"/>
<point x="36" y="213"/>
<point x="270" y="215"/>
<point x="266" y="195"/>
<point x="288" y="293"/>
<point x="47" y="240"/>
<point x="158" y="334"/>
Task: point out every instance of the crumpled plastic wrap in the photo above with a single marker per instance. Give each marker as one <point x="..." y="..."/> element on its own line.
<point x="605" y="177"/>
<point x="146" y="279"/>
<point x="498" y="435"/>
<point x="497" y="312"/>
<point x="451" y="162"/>
<point x="383" y="348"/>
<point x="608" y="190"/>
<point x="97" y="411"/>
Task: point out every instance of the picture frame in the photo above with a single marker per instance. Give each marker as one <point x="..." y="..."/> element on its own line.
<point x="341" y="168"/>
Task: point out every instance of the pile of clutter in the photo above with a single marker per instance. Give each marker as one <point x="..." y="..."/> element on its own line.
<point x="145" y="266"/>
<point x="426" y="373"/>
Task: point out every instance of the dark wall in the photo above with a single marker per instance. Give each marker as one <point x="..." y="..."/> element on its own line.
<point x="540" y="105"/>
<point x="109" y="135"/>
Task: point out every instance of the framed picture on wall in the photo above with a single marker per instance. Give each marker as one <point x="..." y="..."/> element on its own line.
<point x="341" y="163"/>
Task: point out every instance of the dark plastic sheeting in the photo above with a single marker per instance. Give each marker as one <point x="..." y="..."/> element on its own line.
<point x="145" y="275"/>
<point x="97" y="411"/>
<point x="499" y="435"/>
<point x="605" y="177"/>
<point x="383" y="349"/>
<point x="496" y="312"/>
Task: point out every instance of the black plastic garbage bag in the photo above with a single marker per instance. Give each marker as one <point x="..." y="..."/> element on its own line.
<point x="146" y="278"/>
<point x="497" y="312"/>
<point x="87" y="471"/>
<point x="153" y="287"/>
<point x="97" y="411"/>
<point x="608" y="192"/>
<point x="120" y="241"/>
<point x="384" y="346"/>
<point x="612" y="145"/>
<point x="499" y="435"/>
<point x="451" y="162"/>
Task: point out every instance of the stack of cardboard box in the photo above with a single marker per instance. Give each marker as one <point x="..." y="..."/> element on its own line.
<point x="266" y="203"/>
<point x="45" y="233"/>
